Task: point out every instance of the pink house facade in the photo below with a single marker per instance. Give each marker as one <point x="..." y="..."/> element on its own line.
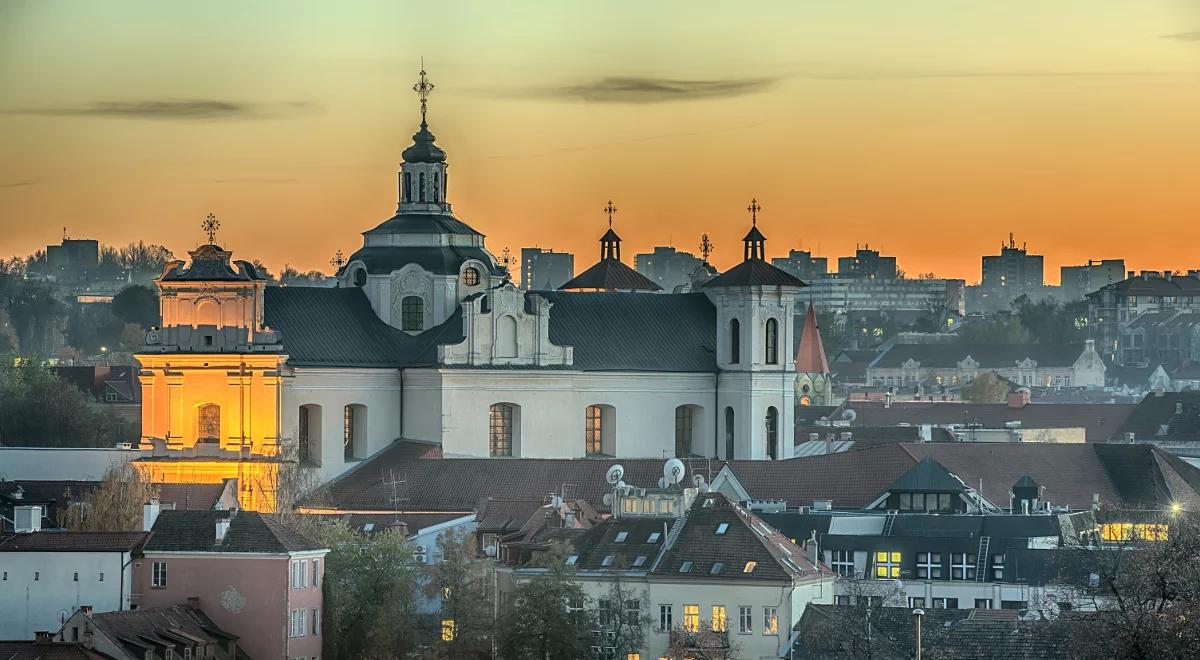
<point x="251" y="576"/>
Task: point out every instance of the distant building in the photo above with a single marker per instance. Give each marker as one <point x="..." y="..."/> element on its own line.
<point x="1009" y="275"/>
<point x="1078" y="281"/>
<point x="178" y="631"/>
<point x="802" y="264"/>
<point x="545" y="270"/>
<point x="841" y="295"/>
<point x="667" y="267"/>
<point x="73" y="260"/>
<point x="1148" y="319"/>
<point x="958" y="363"/>
<point x="867" y="263"/>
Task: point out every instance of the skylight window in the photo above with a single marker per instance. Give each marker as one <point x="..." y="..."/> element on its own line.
<point x="750" y="566"/>
<point x="608" y="561"/>
<point x="572" y="559"/>
<point x="621" y="536"/>
<point x="708" y="503"/>
<point x="653" y="538"/>
<point x="717" y="568"/>
<point x="686" y="567"/>
<point x="722" y="528"/>
<point x="640" y="561"/>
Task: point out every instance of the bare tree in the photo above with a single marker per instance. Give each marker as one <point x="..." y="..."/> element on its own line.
<point x="702" y="642"/>
<point x="115" y="505"/>
<point x="461" y="583"/>
<point x="849" y="631"/>
<point x="624" y="615"/>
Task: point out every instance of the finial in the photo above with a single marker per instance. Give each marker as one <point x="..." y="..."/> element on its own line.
<point x="506" y="258"/>
<point x="610" y="210"/>
<point x="338" y="260"/>
<point x="706" y="247"/>
<point x="754" y="208"/>
<point x="423" y="87"/>
<point x="210" y="226"/>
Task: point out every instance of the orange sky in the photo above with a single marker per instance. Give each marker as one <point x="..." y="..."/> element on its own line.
<point x="928" y="129"/>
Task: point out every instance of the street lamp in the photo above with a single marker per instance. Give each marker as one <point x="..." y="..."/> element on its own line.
<point x="917" y="614"/>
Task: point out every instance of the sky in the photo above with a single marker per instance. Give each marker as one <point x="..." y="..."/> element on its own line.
<point x="929" y="129"/>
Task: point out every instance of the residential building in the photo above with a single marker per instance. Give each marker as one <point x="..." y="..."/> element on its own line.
<point x="867" y="263"/>
<point x="1148" y="319"/>
<point x="252" y="575"/>
<point x="1009" y="275"/>
<point x="44" y="647"/>
<point x="953" y="364"/>
<point x="1167" y="419"/>
<point x="667" y="267"/>
<point x="152" y="633"/>
<point x="1076" y="282"/>
<point x="46" y="574"/>
<point x="705" y="563"/>
<point x="932" y="297"/>
<point x="55" y="496"/>
<point x="802" y="264"/>
<point x="545" y="270"/>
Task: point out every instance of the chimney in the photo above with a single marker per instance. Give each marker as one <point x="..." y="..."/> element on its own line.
<point x="85" y="610"/>
<point x="222" y="529"/>
<point x="887" y="399"/>
<point x="810" y="550"/>
<point x="150" y="511"/>
<point x="1018" y="399"/>
<point x="1178" y="407"/>
<point x="1130" y="275"/>
<point x="1167" y="275"/>
<point x="27" y="519"/>
<point x="42" y="637"/>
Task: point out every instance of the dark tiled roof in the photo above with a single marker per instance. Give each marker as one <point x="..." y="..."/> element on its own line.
<point x="611" y="275"/>
<point x="210" y="263"/>
<point x="599" y="542"/>
<point x="249" y="531"/>
<point x="1155" y="286"/>
<point x="927" y="476"/>
<point x="423" y="223"/>
<point x="72" y="542"/>
<point x="334" y="327"/>
<point x="148" y="627"/>
<point x="31" y="650"/>
<point x="51" y="494"/>
<point x="988" y="356"/>
<point x="755" y="272"/>
<point x="443" y="260"/>
<point x="1099" y="420"/>
<point x="1157" y="411"/>
<point x="500" y="515"/>
<point x="624" y="331"/>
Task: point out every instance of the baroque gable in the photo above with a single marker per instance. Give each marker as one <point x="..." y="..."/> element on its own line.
<point x="504" y="327"/>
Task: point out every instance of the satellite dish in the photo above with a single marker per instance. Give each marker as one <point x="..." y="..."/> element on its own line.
<point x="849" y="415"/>
<point x="699" y="482"/>
<point x="490" y="551"/>
<point x="614" y="474"/>
<point x="662" y="482"/>
<point x="621" y="485"/>
<point x="607" y="499"/>
<point x="673" y="471"/>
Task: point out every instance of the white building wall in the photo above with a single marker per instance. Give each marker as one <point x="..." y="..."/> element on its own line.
<point x="61" y="464"/>
<point x="28" y="605"/>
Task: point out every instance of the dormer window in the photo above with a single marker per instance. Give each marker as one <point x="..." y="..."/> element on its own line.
<point x="470" y="276"/>
<point x="653" y="538"/>
<point x="717" y="567"/>
<point x="722" y="528"/>
<point x="750" y="566"/>
<point x="608" y="560"/>
<point x="685" y="567"/>
<point x="640" y="561"/>
<point x="572" y="559"/>
<point x="621" y="536"/>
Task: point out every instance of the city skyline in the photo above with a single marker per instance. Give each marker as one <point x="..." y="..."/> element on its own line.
<point x="913" y="139"/>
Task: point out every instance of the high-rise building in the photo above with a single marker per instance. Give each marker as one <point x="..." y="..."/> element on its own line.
<point x="1009" y="275"/>
<point x="545" y="270"/>
<point x="1078" y="281"/>
<point x="667" y="267"/>
<point x="802" y="264"/>
<point x="867" y="263"/>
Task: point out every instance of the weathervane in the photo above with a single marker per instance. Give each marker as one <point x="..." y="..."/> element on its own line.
<point x="754" y="208"/>
<point x="210" y="226"/>
<point x="423" y="87"/>
<point x="706" y="247"/>
<point x="338" y="260"/>
<point x="610" y="210"/>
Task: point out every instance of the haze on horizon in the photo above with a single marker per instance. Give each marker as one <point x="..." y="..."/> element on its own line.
<point x="929" y="129"/>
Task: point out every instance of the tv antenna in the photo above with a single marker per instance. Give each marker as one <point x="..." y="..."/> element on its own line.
<point x="395" y="484"/>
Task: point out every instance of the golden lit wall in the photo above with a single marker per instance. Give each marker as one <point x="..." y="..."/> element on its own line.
<point x="257" y="479"/>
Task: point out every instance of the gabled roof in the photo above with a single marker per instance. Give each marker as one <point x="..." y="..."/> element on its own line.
<point x="37" y="650"/>
<point x="1183" y="285"/>
<point x="810" y="354"/>
<point x="1100" y="421"/>
<point x="594" y="545"/>
<point x="210" y="263"/>
<point x="249" y="532"/>
<point x="147" y="627"/>
<point x="927" y="476"/>
<point x="1157" y="413"/>
<point x="611" y="275"/>
<point x="58" y="541"/>
<point x="948" y="355"/>
<point x="754" y="272"/>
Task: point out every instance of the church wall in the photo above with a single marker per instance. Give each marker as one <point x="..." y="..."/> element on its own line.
<point x="552" y="407"/>
<point x="750" y="395"/>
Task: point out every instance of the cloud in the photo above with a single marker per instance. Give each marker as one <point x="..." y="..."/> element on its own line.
<point x="619" y="89"/>
<point x="1184" y="36"/>
<point x="17" y="184"/>
<point x="190" y="109"/>
<point x="255" y="179"/>
<point x="935" y="75"/>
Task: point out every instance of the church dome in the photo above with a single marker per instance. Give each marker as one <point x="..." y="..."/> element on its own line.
<point x="423" y="150"/>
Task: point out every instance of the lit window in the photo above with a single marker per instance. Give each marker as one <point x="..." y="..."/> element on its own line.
<point x="722" y="528"/>
<point x="749" y="567"/>
<point x="770" y="620"/>
<point x="691" y="618"/>
<point x="208" y="425"/>
<point x="471" y="276"/>
<point x="719" y="624"/>
<point x="500" y="429"/>
<point x="745" y="619"/>
<point x="593" y="430"/>
<point x="448" y="630"/>
<point x="887" y="564"/>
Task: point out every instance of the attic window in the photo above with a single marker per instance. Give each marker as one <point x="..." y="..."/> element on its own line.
<point x="722" y="528"/>
<point x="608" y="561"/>
<point x="708" y="503"/>
<point x="686" y="567"/>
<point x="653" y="538"/>
<point x="640" y="561"/>
<point x="717" y="568"/>
<point x="750" y="565"/>
<point x="621" y="536"/>
<point x="572" y="559"/>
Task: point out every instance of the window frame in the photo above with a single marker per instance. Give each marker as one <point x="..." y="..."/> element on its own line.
<point x="929" y="565"/>
<point x="745" y="620"/>
<point x="593" y="430"/>
<point x="770" y="621"/>
<point x="691" y="617"/>
<point x="412" y="313"/>
<point x="501" y="418"/>
<point x="158" y="575"/>
<point x="771" y="341"/>
<point x="842" y="562"/>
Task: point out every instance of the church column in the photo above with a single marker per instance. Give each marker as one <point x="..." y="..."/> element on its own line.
<point x="269" y="425"/>
<point x="176" y="421"/>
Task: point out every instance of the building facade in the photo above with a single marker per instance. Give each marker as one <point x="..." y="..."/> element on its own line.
<point x="869" y="264"/>
<point x="667" y="267"/>
<point x="545" y="270"/>
<point x="1009" y="275"/>
<point x="802" y="264"/>
<point x="843" y="295"/>
<point x="955" y="364"/>
<point x="1076" y="282"/>
<point x="1147" y="319"/>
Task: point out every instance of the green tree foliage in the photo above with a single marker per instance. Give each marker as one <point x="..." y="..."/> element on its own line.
<point x="136" y="304"/>
<point x="833" y="332"/>
<point x="1049" y="322"/>
<point x="115" y="505"/>
<point x="986" y="388"/>
<point x="995" y="332"/>
<point x="91" y="327"/>
<point x="38" y="409"/>
<point x="369" y="591"/>
<point x="549" y="618"/>
<point x="461" y="582"/>
<point x="37" y="316"/>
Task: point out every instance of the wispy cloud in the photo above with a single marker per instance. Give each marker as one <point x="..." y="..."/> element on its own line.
<point x="255" y="179"/>
<point x="935" y="75"/>
<point x="633" y="89"/>
<point x="17" y="184"/>
<point x="1184" y="36"/>
<point x="186" y="109"/>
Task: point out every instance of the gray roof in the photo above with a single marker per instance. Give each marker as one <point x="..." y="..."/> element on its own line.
<point x="210" y="264"/>
<point x="611" y="275"/>
<point x="988" y="356"/>
<point x="423" y="223"/>
<point x="333" y="327"/>
<point x="443" y="260"/>
<point x="927" y="476"/>
<point x="755" y="272"/>
<point x="249" y="531"/>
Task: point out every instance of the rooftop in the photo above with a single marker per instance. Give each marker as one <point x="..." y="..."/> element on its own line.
<point x="1100" y="421"/>
<point x="59" y="541"/>
<point x="249" y="532"/>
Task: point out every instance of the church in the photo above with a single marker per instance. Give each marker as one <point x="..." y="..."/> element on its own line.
<point x="427" y="338"/>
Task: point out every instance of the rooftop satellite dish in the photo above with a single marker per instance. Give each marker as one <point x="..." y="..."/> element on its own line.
<point x="614" y="474"/>
<point x="849" y="415"/>
<point x="607" y="499"/>
<point x="673" y="471"/>
<point x="699" y="482"/>
<point x="663" y="483"/>
<point x="621" y="485"/>
<point x="490" y="551"/>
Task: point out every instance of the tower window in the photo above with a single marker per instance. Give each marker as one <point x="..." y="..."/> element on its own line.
<point x="437" y="197"/>
<point x="772" y="424"/>
<point x="471" y="276"/>
<point x="408" y="186"/>
<point x="683" y="431"/>
<point x="772" y="341"/>
<point x="360" y="277"/>
<point x="412" y="313"/>
<point x="500" y="429"/>
<point x="421" y="185"/>
<point x="593" y="430"/>
<point x="735" y="341"/>
<point x="208" y="423"/>
<point x="729" y="437"/>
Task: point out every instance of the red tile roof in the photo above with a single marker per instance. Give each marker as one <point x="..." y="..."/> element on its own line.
<point x="72" y="542"/>
<point x="810" y="354"/>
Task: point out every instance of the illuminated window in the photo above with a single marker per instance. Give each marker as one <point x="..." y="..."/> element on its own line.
<point x="471" y="276"/>
<point x="1133" y="532"/>
<point x="448" y="630"/>
<point x="208" y="426"/>
<point x="691" y="618"/>
<point x="719" y="624"/>
<point x="500" y="429"/>
<point x="962" y="566"/>
<point x="887" y="564"/>
<point x="770" y="620"/>
<point x="593" y="430"/>
<point x="929" y="565"/>
<point x="772" y="341"/>
<point x="749" y="567"/>
<point x="412" y="313"/>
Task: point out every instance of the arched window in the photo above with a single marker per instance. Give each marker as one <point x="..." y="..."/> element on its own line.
<point x="683" y="431"/>
<point x="772" y="427"/>
<point x="360" y="277"/>
<point x="412" y="313"/>
<point x="437" y="196"/>
<point x="470" y="276"/>
<point x="735" y="341"/>
<point x="208" y="423"/>
<point x="421" y="185"/>
<point x="729" y="437"/>
<point x="354" y="431"/>
<point x="501" y="424"/>
<point x="408" y="186"/>
<point x="593" y="431"/>
<point x="506" y="336"/>
<point x="772" y="341"/>
<point x="308" y="435"/>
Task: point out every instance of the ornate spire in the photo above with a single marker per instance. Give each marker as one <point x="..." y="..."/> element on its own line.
<point x="423" y="87"/>
<point x="210" y="226"/>
<point x="610" y="243"/>
<point x="423" y="150"/>
<point x="610" y="210"/>
<point x="754" y="240"/>
<point x="754" y="208"/>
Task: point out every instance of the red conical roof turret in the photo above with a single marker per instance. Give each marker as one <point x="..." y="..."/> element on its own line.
<point x="810" y="354"/>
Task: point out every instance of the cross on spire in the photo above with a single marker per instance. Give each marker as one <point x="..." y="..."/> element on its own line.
<point x="610" y="210"/>
<point x="706" y="247"/>
<point x="754" y="208"/>
<point x="423" y="87"/>
<point x="210" y="226"/>
<point x="338" y="260"/>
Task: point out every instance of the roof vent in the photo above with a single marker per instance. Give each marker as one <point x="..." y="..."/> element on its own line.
<point x="822" y="505"/>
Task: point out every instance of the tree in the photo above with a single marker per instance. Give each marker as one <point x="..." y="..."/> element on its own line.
<point x="548" y="619"/>
<point x="37" y="317"/>
<point x="1141" y="576"/>
<point x="115" y="505"/>
<point x="461" y="583"/>
<point x="39" y="409"/>
<point x="624" y="615"/>
<point x="703" y="643"/>
<point x="848" y="631"/>
<point x="986" y="388"/>
<point x="1049" y="322"/>
<point x="292" y="277"/>
<point x="369" y="591"/>
<point x="137" y="304"/>
<point x="995" y="332"/>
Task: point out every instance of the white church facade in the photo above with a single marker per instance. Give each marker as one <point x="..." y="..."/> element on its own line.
<point x="427" y="338"/>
